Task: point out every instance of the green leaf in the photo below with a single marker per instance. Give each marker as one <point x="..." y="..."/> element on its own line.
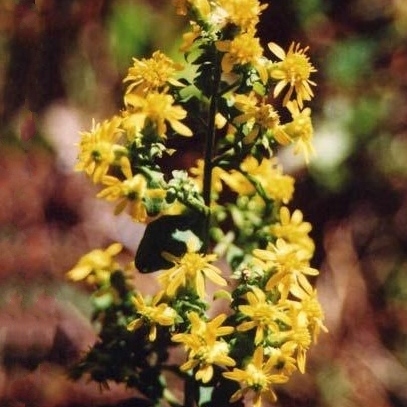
<point x="163" y="235"/>
<point x="205" y="395"/>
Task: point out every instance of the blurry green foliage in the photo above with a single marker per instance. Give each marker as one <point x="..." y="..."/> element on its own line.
<point x="307" y="10"/>
<point x="350" y="61"/>
<point x="129" y="29"/>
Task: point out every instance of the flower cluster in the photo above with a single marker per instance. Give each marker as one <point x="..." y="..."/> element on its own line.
<point x="232" y="204"/>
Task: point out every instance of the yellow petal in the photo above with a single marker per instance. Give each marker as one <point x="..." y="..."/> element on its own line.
<point x="79" y="273"/>
<point x="181" y="128"/>
<point x="276" y="50"/>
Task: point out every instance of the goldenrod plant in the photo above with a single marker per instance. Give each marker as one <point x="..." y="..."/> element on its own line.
<point x="224" y="102"/>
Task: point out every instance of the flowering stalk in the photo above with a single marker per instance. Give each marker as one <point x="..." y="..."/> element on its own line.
<point x="233" y="204"/>
<point x="210" y="146"/>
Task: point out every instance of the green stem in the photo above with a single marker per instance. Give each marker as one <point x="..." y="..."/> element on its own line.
<point x="210" y="146"/>
<point x="190" y="388"/>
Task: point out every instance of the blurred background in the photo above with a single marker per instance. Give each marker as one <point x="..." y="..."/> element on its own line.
<point x="61" y="64"/>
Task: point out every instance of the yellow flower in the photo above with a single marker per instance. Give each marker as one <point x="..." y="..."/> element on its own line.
<point x="300" y="130"/>
<point x="152" y="74"/>
<point x="152" y="315"/>
<point x="243" y="49"/>
<point x="242" y="13"/>
<point x="191" y="269"/>
<point x="98" y="149"/>
<point x="217" y="175"/>
<point x="257" y="377"/>
<point x="154" y="109"/>
<point x="261" y="116"/>
<point x="282" y="358"/>
<point x="97" y="265"/>
<point x="268" y="173"/>
<point x="189" y="37"/>
<point x="293" y="229"/>
<point x="130" y="192"/>
<point x="299" y="337"/>
<point x="294" y="71"/>
<point x="238" y="182"/>
<point x="204" y="349"/>
<point x="278" y="186"/>
<point x="264" y="315"/>
<point x="311" y="307"/>
<point x="290" y="266"/>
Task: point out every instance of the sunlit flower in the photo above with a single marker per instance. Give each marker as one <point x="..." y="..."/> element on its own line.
<point x="241" y="50"/>
<point x="190" y="36"/>
<point x="290" y="266"/>
<point x="130" y="192"/>
<point x="300" y="130"/>
<point x="282" y="357"/>
<point x="263" y="315"/>
<point x="257" y="377"/>
<point x="311" y="307"/>
<point x="204" y="348"/>
<point x="294" y="71"/>
<point x="238" y="182"/>
<point x="299" y="336"/>
<point x="293" y="229"/>
<point x="155" y="109"/>
<point x="190" y="269"/>
<point x="268" y="174"/>
<point x="151" y="314"/>
<point x="260" y="116"/>
<point x="152" y="74"/>
<point x="99" y="149"/>
<point x="217" y="174"/>
<point x="242" y="13"/>
<point x="97" y="265"/>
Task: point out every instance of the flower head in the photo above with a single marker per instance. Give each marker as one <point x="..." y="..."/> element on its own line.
<point x="282" y="358"/>
<point x="293" y="229"/>
<point x="130" y="192"/>
<point x="190" y="36"/>
<point x="300" y="130"/>
<point x="311" y="308"/>
<point x="152" y="314"/>
<point x="241" y="50"/>
<point x="190" y="269"/>
<point x="259" y="116"/>
<point x="152" y="74"/>
<point x="257" y="377"/>
<point x="294" y="71"/>
<point x="263" y="315"/>
<point x="299" y="336"/>
<point x="268" y="173"/>
<point x="204" y="347"/>
<point x="100" y="148"/>
<point x="155" y="110"/>
<point x="97" y="265"/>
<point x="278" y="186"/>
<point x="242" y="13"/>
<point x="290" y="267"/>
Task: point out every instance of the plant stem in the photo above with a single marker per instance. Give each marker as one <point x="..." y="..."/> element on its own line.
<point x="190" y="391"/>
<point x="210" y="145"/>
